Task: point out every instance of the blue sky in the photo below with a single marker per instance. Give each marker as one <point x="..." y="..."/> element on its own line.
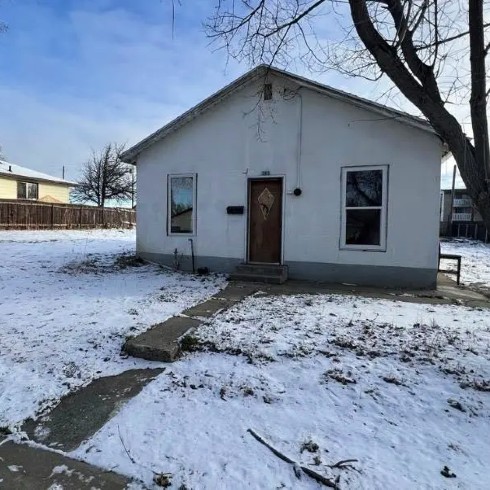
<point x="76" y="74"/>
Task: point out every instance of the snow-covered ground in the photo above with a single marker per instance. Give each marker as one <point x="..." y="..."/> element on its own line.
<point x="475" y="261"/>
<point x="66" y="305"/>
<point x="401" y="388"/>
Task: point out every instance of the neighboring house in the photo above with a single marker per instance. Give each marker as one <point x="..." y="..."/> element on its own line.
<point x="18" y="182"/>
<point x="275" y="169"/>
<point x="463" y="219"/>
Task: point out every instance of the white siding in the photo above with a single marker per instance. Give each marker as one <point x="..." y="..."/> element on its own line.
<point x="228" y="144"/>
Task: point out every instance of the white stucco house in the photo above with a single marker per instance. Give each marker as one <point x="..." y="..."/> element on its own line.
<point x="287" y="174"/>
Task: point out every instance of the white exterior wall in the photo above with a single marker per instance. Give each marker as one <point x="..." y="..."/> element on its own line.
<point x="222" y="146"/>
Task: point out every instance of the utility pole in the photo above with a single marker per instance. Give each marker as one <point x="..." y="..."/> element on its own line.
<point x="63" y="172"/>
<point x="450" y="216"/>
<point x="132" y="187"/>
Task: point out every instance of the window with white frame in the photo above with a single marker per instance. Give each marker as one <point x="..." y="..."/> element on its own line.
<point x="27" y="190"/>
<point x="364" y="207"/>
<point x="181" y="205"/>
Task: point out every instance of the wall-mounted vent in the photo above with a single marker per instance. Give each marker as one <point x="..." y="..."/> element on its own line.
<point x="267" y="91"/>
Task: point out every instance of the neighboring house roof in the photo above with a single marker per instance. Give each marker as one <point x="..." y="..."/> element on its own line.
<point x="12" y="170"/>
<point x="132" y="153"/>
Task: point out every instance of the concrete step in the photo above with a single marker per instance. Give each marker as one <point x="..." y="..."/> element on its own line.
<point x="262" y="269"/>
<point x="162" y="341"/>
<point x="270" y="274"/>
<point x="257" y="278"/>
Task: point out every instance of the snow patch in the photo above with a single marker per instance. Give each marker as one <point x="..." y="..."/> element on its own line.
<point x="398" y="387"/>
<point x="61" y="469"/>
<point x="62" y="327"/>
<point x="475" y="261"/>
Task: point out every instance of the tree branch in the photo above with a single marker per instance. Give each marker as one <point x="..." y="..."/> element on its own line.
<point x="478" y="99"/>
<point x="440" y="42"/>
<point x="423" y="72"/>
<point x="313" y="474"/>
<point x="442" y="121"/>
<point x="295" y="19"/>
<point x="421" y="45"/>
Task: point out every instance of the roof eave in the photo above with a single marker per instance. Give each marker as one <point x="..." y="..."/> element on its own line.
<point x="130" y="156"/>
<point x="37" y="179"/>
<point x="360" y="102"/>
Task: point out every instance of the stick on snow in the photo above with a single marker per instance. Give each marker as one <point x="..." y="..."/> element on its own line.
<point x="312" y="474"/>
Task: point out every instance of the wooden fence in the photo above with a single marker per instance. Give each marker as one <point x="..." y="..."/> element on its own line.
<point x="31" y="215"/>
<point x="474" y="230"/>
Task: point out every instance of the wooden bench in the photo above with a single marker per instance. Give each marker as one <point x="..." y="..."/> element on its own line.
<point x="455" y="257"/>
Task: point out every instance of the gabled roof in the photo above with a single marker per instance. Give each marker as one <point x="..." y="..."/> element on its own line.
<point x="131" y="155"/>
<point x="12" y="170"/>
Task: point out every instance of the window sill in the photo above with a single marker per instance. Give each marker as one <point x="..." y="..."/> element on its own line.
<point x="360" y="248"/>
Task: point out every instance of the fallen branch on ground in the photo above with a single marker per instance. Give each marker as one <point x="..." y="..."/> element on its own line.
<point x="312" y="474"/>
<point x="343" y="463"/>
<point x="160" y="479"/>
<point x="124" y="446"/>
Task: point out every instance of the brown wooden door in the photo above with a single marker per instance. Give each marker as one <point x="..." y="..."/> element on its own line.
<point x="265" y="220"/>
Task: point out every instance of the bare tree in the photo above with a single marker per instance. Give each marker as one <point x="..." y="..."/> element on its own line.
<point x="433" y="52"/>
<point x="105" y="176"/>
<point x="3" y="25"/>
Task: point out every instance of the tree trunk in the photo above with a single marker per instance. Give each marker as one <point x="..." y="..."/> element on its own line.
<point x="472" y="160"/>
<point x="478" y="105"/>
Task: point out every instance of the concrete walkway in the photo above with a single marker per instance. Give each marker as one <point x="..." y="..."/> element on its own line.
<point x="26" y="468"/>
<point x="76" y="418"/>
<point x="79" y="415"/>
<point x="82" y="413"/>
<point x="447" y="292"/>
<point x="161" y="342"/>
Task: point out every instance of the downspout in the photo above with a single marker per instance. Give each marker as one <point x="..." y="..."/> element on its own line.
<point x="297" y="191"/>
<point x="192" y="254"/>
